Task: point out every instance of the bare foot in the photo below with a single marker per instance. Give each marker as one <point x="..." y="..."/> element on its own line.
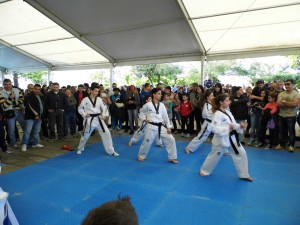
<point x="175" y="161"/>
<point x="140" y="159"/>
<point x="250" y="179"/>
<point x="160" y="145"/>
<point x="202" y="174"/>
<point x="130" y="143"/>
<point x="187" y="150"/>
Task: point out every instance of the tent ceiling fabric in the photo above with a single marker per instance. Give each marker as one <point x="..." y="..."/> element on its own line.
<point x="77" y="34"/>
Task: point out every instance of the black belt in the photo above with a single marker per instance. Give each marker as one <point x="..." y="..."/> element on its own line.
<point x="208" y="120"/>
<point x="93" y="116"/>
<point x="160" y="124"/>
<point x="233" y="132"/>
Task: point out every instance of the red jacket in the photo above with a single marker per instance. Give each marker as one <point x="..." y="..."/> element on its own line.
<point x="185" y="108"/>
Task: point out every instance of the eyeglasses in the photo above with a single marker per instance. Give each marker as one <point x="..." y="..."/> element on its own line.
<point x="287" y="84"/>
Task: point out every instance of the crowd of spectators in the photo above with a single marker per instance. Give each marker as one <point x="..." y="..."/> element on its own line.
<point x="273" y="107"/>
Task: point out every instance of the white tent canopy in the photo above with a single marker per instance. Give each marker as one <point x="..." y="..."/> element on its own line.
<point x="73" y="34"/>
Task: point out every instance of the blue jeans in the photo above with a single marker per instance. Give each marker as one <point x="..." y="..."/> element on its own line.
<point x="132" y="117"/>
<point x="287" y="130"/>
<point x="115" y="122"/>
<point x="255" y="126"/>
<point x="11" y="123"/>
<point x="69" y="121"/>
<point x="32" y="131"/>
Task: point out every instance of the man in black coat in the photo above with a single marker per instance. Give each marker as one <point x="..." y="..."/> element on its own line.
<point x="55" y="104"/>
<point x="33" y="111"/>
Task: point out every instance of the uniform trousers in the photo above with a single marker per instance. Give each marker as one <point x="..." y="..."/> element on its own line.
<point x="168" y="140"/>
<point x="240" y="160"/>
<point x="201" y="137"/>
<point x="105" y="136"/>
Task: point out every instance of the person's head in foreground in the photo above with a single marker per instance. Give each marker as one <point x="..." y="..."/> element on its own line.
<point x="119" y="212"/>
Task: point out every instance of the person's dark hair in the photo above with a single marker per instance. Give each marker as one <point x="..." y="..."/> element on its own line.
<point x="37" y="85"/>
<point x="273" y="95"/>
<point x="147" y="97"/>
<point x="6" y="80"/>
<point x="259" y="82"/>
<point x="146" y="85"/>
<point x="290" y="80"/>
<point x="207" y="93"/>
<point x="215" y="103"/>
<point x="235" y="89"/>
<point x="201" y="87"/>
<point x="86" y="85"/>
<point x="119" y="212"/>
<point x="154" y="91"/>
<point x="117" y="89"/>
<point x="80" y="85"/>
<point x="168" y="87"/>
<point x="94" y="86"/>
<point x="158" y="84"/>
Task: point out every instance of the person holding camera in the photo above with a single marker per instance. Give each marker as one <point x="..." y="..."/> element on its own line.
<point x="13" y="110"/>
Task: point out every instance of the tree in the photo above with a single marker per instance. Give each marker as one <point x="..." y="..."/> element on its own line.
<point x="158" y="73"/>
<point x="36" y="77"/>
<point x="100" y="77"/>
<point x="295" y="62"/>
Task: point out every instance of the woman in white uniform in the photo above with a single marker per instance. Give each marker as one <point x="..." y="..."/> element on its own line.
<point x="225" y="137"/>
<point x="93" y="111"/>
<point x="158" y="123"/>
<point x="206" y="126"/>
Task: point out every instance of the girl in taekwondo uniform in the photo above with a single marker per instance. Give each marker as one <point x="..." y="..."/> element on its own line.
<point x="154" y="113"/>
<point x="225" y="131"/>
<point x="206" y="126"/>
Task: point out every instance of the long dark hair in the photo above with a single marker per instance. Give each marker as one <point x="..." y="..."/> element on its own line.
<point x="216" y="102"/>
<point x="205" y="96"/>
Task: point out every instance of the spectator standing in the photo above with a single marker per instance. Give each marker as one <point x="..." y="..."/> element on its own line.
<point x="70" y="114"/>
<point x="239" y="108"/>
<point x="287" y="102"/>
<point x="269" y="112"/>
<point x="185" y="111"/>
<point x="3" y="145"/>
<point x="132" y="101"/>
<point x="13" y="109"/>
<point x="79" y="95"/>
<point x="33" y="113"/>
<point x="55" y="104"/>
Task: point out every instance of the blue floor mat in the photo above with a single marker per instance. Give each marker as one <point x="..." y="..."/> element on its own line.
<point x="63" y="189"/>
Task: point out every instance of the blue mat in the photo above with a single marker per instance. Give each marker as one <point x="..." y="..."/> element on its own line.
<point x="62" y="190"/>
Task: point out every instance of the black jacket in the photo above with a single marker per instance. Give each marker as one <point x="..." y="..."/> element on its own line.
<point x="32" y="107"/>
<point x="238" y="107"/>
<point x="56" y="101"/>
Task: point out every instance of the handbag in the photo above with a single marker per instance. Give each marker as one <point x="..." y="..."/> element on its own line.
<point x="271" y="124"/>
<point x="9" y="114"/>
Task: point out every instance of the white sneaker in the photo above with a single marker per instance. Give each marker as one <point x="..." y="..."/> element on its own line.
<point x="115" y="154"/>
<point x="8" y="151"/>
<point x="16" y="146"/>
<point x="38" y="146"/>
<point x="78" y="152"/>
<point x="188" y="136"/>
<point x="182" y="135"/>
<point x="24" y="148"/>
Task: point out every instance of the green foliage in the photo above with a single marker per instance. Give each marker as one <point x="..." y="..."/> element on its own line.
<point x="36" y="77"/>
<point x="158" y="73"/>
<point x="100" y="77"/>
<point x="295" y="62"/>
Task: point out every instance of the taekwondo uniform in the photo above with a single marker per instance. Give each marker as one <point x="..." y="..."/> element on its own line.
<point x="226" y="138"/>
<point x="97" y="111"/>
<point x="140" y="133"/>
<point x="158" y="122"/>
<point x="205" y="128"/>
